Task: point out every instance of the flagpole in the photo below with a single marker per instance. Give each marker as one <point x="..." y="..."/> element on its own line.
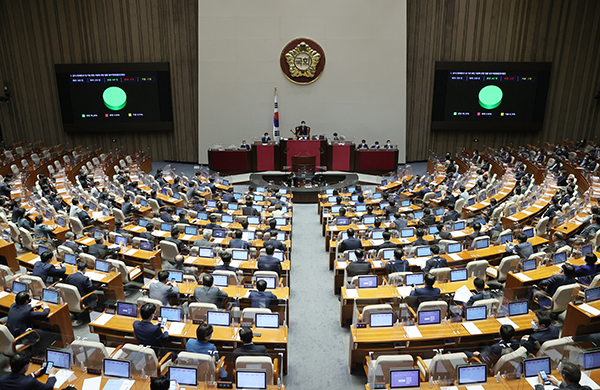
<point x="275" y="118"/>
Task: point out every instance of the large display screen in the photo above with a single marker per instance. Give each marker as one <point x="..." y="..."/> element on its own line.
<point x="490" y="95"/>
<point x="115" y="97"/>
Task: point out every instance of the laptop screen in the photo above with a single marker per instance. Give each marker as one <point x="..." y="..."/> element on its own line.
<point x="143" y="202"/>
<point x="257" y="207"/>
<point x="331" y="199"/>
<point x="535" y="365"/>
<point x="176" y="276"/>
<point x="377" y="195"/>
<point x="206" y="253"/>
<point x="121" y="241"/>
<point x="329" y="191"/>
<point x="260" y="189"/>
<point x="351" y="256"/>
<point x="354" y="198"/>
<point x="458" y="225"/>
<point x="586" y="249"/>
<point x="70" y="259"/>
<point x="143" y="222"/>
<point x="343" y="221"/>
<point x="253" y="220"/>
<point x="172" y="314"/>
<point x="517" y="308"/>
<point x="211" y="203"/>
<point x="226" y="218"/>
<point x="454" y="248"/>
<point x="271" y="281"/>
<point x="278" y="255"/>
<point x="102" y="266"/>
<point x="478" y="220"/>
<point x="400" y="379"/>
<point x="61" y="221"/>
<point x="239" y="255"/>
<point x="259" y="198"/>
<point x="361" y="208"/>
<point x="202" y="216"/>
<point x="220" y="280"/>
<point x="418" y="214"/>
<point x="368" y="220"/>
<point x="266" y="320"/>
<point x="388" y="254"/>
<point x="433" y="230"/>
<point x="218" y="318"/>
<point x="416" y="279"/>
<point x="183" y="375"/>
<point x="116" y="368"/>
<point x="237" y="195"/>
<point x="381" y="320"/>
<point x="50" y="296"/>
<point x="529" y="265"/>
<point x="528" y="232"/>
<point x="506" y="238"/>
<point x="248" y="235"/>
<point x="429" y="317"/>
<point x="218" y="233"/>
<point x="146" y="245"/>
<point x="476" y="313"/>
<point x="250" y="379"/>
<point x="126" y="309"/>
<point x="335" y="209"/>
<point x="367" y="281"/>
<point x="458" y="275"/>
<point x="405" y="203"/>
<point x="232" y="206"/>
<point x="560" y="258"/>
<point x="42" y="249"/>
<point x="423" y="251"/>
<point x="475" y="373"/>
<point x="377" y="235"/>
<point x="439" y="211"/>
<point x="592" y="294"/>
<point x="281" y="221"/>
<point x="17" y="287"/>
<point x="471" y="201"/>
<point x="482" y="243"/>
<point x="165" y="227"/>
<point x="591" y="360"/>
<point x="192" y="231"/>
<point x="60" y="359"/>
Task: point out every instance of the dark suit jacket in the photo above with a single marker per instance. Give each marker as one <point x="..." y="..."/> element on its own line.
<point x="262" y="299"/>
<point x="386" y="244"/>
<point x="541" y="336"/>
<point x="127" y="208"/>
<point x="98" y="250"/>
<point x="397" y="266"/>
<point x="426" y="294"/>
<point x="358" y="268"/>
<point x="350" y="244"/>
<point x="238" y="243"/>
<point x="83" y="283"/>
<point x="276" y="244"/>
<point x="73" y="245"/>
<point x="18" y="381"/>
<point x="435" y="262"/>
<point x="147" y="333"/>
<point x="85" y="218"/>
<point x="20" y="318"/>
<point x="250" y="211"/>
<point x="429" y="219"/>
<point x="269" y="263"/>
<point x="451" y="215"/>
<point x="250" y="350"/>
<point x="43" y="270"/>
<point x="57" y="206"/>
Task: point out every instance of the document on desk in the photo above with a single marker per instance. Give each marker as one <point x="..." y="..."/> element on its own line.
<point x="342" y="264"/>
<point x="361" y="227"/>
<point x="118" y="384"/>
<point x="34" y="260"/>
<point x="527" y="212"/>
<point x="592" y="310"/>
<point x="351" y="293"/>
<point x="88" y="240"/>
<point x="412" y="332"/>
<point x="586" y="380"/>
<point x="97" y="215"/>
<point x="3" y="294"/>
<point x="61" y="377"/>
<point x="176" y="327"/>
<point x="102" y="319"/>
<point x="377" y="263"/>
<point x="522" y="277"/>
<point x="471" y="328"/>
<point x="190" y="259"/>
<point x="463" y="294"/>
<point x="131" y="252"/>
<point x="475" y="387"/>
<point x="92" y="383"/>
<point x="225" y="224"/>
<point x="218" y="241"/>
<point x="377" y="242"/>
<point x="404" y="291"/>
<point x="235" y="263"/>
<point x="95" y="276"/>
<point x="186" y="237"/>
<point x="507" y="321"/>
<point x="455" y="256"/>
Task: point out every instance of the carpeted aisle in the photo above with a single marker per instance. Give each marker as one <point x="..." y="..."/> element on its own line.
<point x="317" y="344"/>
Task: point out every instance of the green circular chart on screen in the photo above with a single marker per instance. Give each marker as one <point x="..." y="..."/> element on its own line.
<point x="114" y="98"/>
<point x="490" y="97"/>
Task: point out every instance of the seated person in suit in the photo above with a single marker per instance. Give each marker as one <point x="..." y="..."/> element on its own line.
<point x="278" y="212"/>
<point x="70" y="242"/>
<point x="17" y="380"/>
<point x="244" y="145"/>
<point x="268" y="262"/>
<point x="571" y="375"/>
<point x="226" y="259"/>
<point x="493" y="206"/>
<point x="427" y="293"/>
<point x="589" y="232"/>
<point x="400" y="221"/>
<point x="421" y="193"/>
<point x="228" y="196"/>
<point x="21" y="315"/>
<point x="209" y="294"/>
<point x="302" y="131"/>
<point x="553" y="208"/>
<point x="127" y="207"/>
<point x="376" y="146"/>
<point x="147" y="333"/>
<point x="175" y="233"/>
<point x="491" y="354"/>
<point x="392" y="208"/>
<point x="420" y="241"/>
<point x="237" y="242"/>
<point x="550" y="285"/>
<point x="249" y="210"/>
<point x="57" y="203"/>
<point x="23" y="221"/>
<point x="559" y="242"/>
<point x="586" y="272"/>
<point x="388" y="145"/>
<point x="272" y="227"/>
<point x="271" y="239"/>
<point x="524" y="248"/>
<point x="156" y="198"/>
<point x="265" y="138"/>
<point x="436" y="261"/>
<point x="201" y="344"/>
<point x="543" y="330"/>
<point x="212" y="224"/>
<point x="451" y="215"/>
<point x="350" y="243"/>
<point x="83" y="179"/>
<point x="428" y="219"/>
<point x="83" y="284"/>
<point x="84" y="217"/>
<point x="358" y="266"/>
<point x="363" y="145"/>
<point x="119" y="228"/>
<point x="41" y="230"/>
<point x="261" y="298"/>
<point x="376" y="226"/>
<point x="167" y="214"/>
<point x="99" y="249"/>
<point x="470" y="239"/>
<point x="249" y="348"/>
<point x="481" y="293"/>
<point x="397" y="264"/>
<point x="386" y="242"/>
<point x="147" y="235"/>
<point x="444" y="235"/>
<point x="47" y="271"/>
<point x="183" y="218"/>
<point x="163" y="288"/>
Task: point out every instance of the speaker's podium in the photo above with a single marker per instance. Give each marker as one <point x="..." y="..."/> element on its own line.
<point x="303" y="148"/>
<point x="304" y="164"/>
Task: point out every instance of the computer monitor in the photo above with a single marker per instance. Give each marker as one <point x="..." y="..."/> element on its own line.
<point x="183" y="375"/>
<point x="226" y="218"/>
<point x="560" y="258"/>
<point x="377" y="235"/>
<point x="120" y="241"/>
<point x="476" y="313"/>
<point x="482" y="243"/>
<point x="471" y="201"/>
<point x="116" y="368"/>
<point x="70" y="259"/>
<point x="377" y="195"/>
<point x="248" y="235"/>
<point x="102" y="266"/>
<point x="239" y="254"/>
<point x="335" y="209"/>
<point x="352" y="255"/>
<point x="590" y="360"/>
<point x="257" y="207"/>
<point x="367" y="281"/>
<point x="281" y="221"/>
<point x="260" y="189"/>
<point x="458" y="275"/>
<point x="60" y="359"/>
<point x="48" y="214"/>
<point x="165" y="227"/>
<point x="176" y="276"/>
<point x="592" y="294"/>
<point x="220" y="280"/>
<point x="259" y="198"/>
<point x="105" y="212"/>
<point x="42" y="249"/>
<point x="458" y="226"/>
<point x="405" y="378"/>
<point x="534" y="365"/>
<point x="388" y="254"/>
<point x="211" y="203"/>
<point x="342" y="221"/>
<point x="61" y="221"/>
<point x="423" y="251"/>
<point x="331" y="199"/>
<point x="172" y="314"/>
<point x="126" y="309"/>
<point x="418" y="214"/>
<point x="415" y="279"/>
<point x="384" y="182"/>
<point x="517" y="308"/>
<point x="143" y="203"/>
<point x="329" y="191"/>
<point x="266" y="320"/>
<point x="505" y="238"/>
<point x="439" y="211"/>
<point x="351" y="189"/>
<point x="202" y="216"/>
<point x="218" y="318"/>
<point x="381" y="320"/>
<point x="480" y="221"/>
<point x="206" y="253"/>
<point x="237" y="195"/>
<point x="368" y="220"/>
<point x="586" y="249"/>
<point x="354" y="198"/>
<point x="453" y="248"/>
<point x="433" y="230"/>
<point x="250" y="379"/>
<point x="50" y="296"/>
<point x="225" y="182"/>
<point x="361" y="208"/>
<point x="232" y="206"/>
<point x="429" y="317"/>
<point x="253" y="220"/>
<point x="529" y="265"/>
<point x="405" y="203"/>
<point x="218" y="233"/>
<point x="271" y="281"/>
<point x="17" y="287"/>
<point x="146" y="245"/>
<point x="472" y="373"/>
<point x="278" y="255"/>
<point x="143" y="222"/>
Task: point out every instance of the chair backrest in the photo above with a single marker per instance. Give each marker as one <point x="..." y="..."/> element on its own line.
<point x="565" y="248"/>
<point x="36" y="284"/>
<point x="249" y="313"/>
<point x="458" y="206"/>
<point x="397" y="278"/>
<point x="232" y="278"/>
<point x="443" y="366"/>
<point x="90" y="260"/>
<point x="143" y="300"/>
<point x="76" y="225"/>
<point x="205" y="364"/>
<point x="71" y="297"/>
<point x="119" y="216"/>
<point x="6" y="340"/>
<point x="508" y="363"/>
<point x="6" y="271"/>
<point x="442" y="306"/>
<point x="26" y="239"/>
<point x="14" y="231"/>
<point x="541" y="226"/>
<point x="482" y="238"/>
<point x="595" y="282"/>
<point x="509" y="263"/>
<point x="57" y="165"/>
<point x="14" y="169"/>
<point x="265" y="274"/>
<point x="564" y="295"/>
<point x="138" y="353"/>
<point x="168" y="250"/>
<point x="369" y="309"/>
<point x="95" y="161"/>
<point x="491" y="303"/>
<point x="441" y="274"/>
<point x="556" y="349"/>
<point x="477" y="268"/>
<point x="154" y="205"/>
<point x="427" y="197"/>
<point x="384" y="363"/>
<point x="122" y="268"/>
<point x="90" y="353"/>
<point x="263" y="363"/>
<point x="198" y="310"/>
<point x="90" y="166"/>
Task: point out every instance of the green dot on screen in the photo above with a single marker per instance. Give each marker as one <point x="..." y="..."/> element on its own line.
<point x="490" y="97"/>
<point x="114" y="98"/>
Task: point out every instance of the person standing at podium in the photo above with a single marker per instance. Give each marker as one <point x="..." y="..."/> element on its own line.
<point x="265" y="139"/>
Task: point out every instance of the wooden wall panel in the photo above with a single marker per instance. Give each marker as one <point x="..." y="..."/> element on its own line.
<point x="36" y="34"/>
<point x="564" y="32"/>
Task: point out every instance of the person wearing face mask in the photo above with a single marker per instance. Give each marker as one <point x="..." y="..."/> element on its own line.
<point x="567" y="276"/>
<point x="388" y="145"/>
<point x="543" y="330"/>
<point x="244" y="145"/>
<point x="571" y="375"/>
<point x="147" y="333"/>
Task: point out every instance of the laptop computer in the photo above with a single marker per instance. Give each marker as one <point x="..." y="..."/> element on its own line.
<point x="517" y="308"/>
<point x="590" y="360"/>
<point x="458" y="226"/>
<point x="534" y="365"/>
<point x="259" y="198"/>
<point x="361" y="208"/>
<point x="418" y="214"/>
<point x="239" y="254"/>
<point x="377" y="235"/>
<point x="250" y="379"/>
<point x="429" y="317"/>
<point x="218" y="233"/>
<point x="472" y="373"/>
<point x="253" y="220"/>
<point x="102" y="266"/>
<point x="529" y="265"/>
<point x="116" y="368"/>
<point x="220" y="280"/>
<point x="415" y="279"/>
<point x="476" y="313"/>
<point x="17" y="287"/>
<point x="143" y="222"/>
<point x="458" y="275"/>
<point x="368" y="220"/>
<point x="405" y="378"/>
<point x="381" y="320"/>
<point x="586" y="249"/>
<point x="405" y="203"/>
<point x="278" y="255"/>
<point x="453" y="248"/>
<point x="388" y="254"/>
<point x="206" y="253"/>
<point x="433" y="230"/>
<point x="121" y="241"/>
<point x="529" y="232"/>
<point x="281" y="221"/>
<point x="226" y="218"/>
<point x="367" y="281"/>
<point x="165" y="227"/>
<point x="146" y="245"/>
<point x="172" y="314"/>
<point x="506" y="238"/>
<point x="560" y="258"/>
<point x="264" y="320"/>
<point x="60" y="359"/>
<point x="248" y="235"/>
<point x="50" y="296"/>
<point x="176" y="276"/>
<point x="70" y="259"/>
<point x="335" y="209"/>
<point x="482" y="243"/>
<point x="377" y="195"/>
<point x="218" y="318"/>
<point x="126" y="309"/>
<point x="342" y="221"/>
<point x="592" y="294"/>
<point x="423" y="251"/>
<point x="270" y="280"/>
<point x="184" y="375"/>
<point x="211" y="203"/>
<point x="42" y="249"/>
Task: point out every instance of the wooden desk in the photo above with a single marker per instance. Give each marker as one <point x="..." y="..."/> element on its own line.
<point x="8" y="250"/>
<point x="579" y="321"/>
<point x="59" y="318"/>
<point x="132" y="256"/>
<point x="451" y="335"/>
